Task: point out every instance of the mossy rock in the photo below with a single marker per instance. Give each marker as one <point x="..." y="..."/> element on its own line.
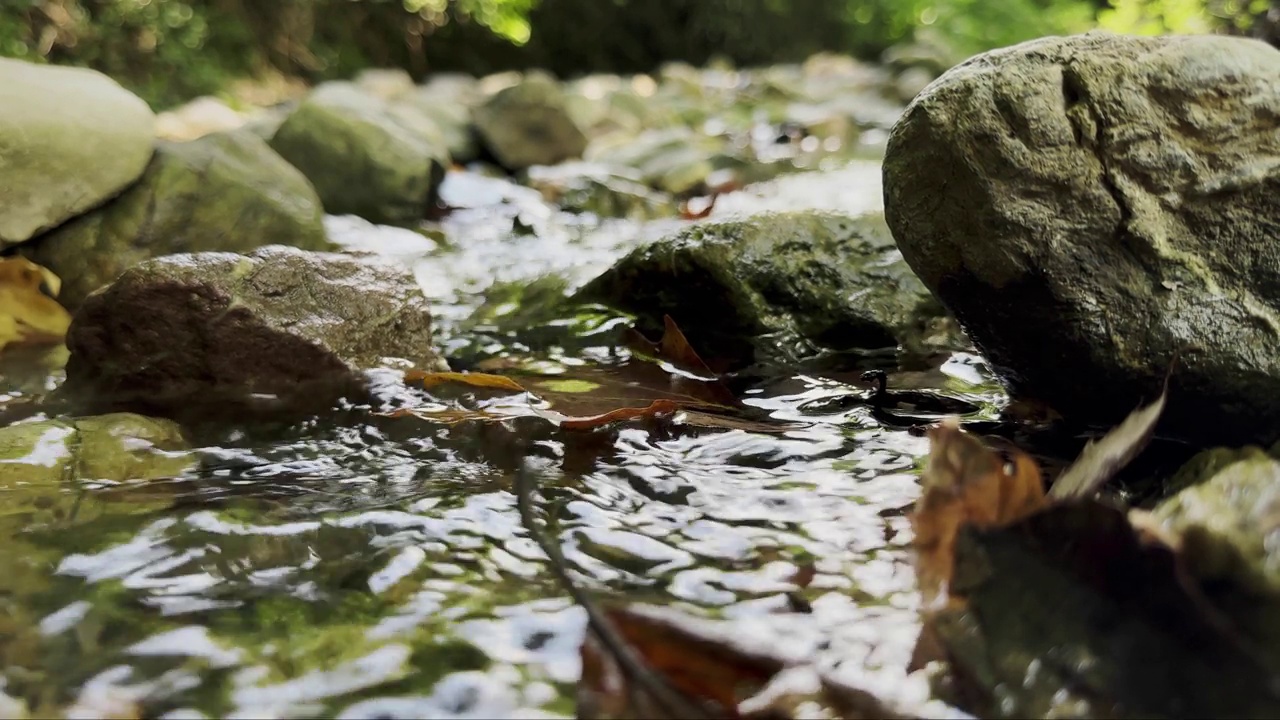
<point x="222" y="192"/>
<point x="364" y="155"/>
<point x="782" y="287"/>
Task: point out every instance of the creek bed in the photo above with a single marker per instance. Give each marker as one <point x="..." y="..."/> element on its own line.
<point x="377" y="567"/>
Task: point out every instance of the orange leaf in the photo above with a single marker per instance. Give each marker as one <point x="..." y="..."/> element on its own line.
<point x="481" y="380"/>
<point x="656" y="407"/>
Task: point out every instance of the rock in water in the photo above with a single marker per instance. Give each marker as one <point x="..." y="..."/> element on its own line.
<point x="529" y="124"/>
<point x="225" y="192"/>
<point x="279" y="330"/>
<point x="58" y="160"/>
<point x="44" y="465"/>
<point x="775" y="287"/>
<point x="363" y="156"/>
<point x="1090" y="206"/>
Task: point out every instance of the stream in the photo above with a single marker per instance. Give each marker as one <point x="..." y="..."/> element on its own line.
<point x="375" y="567"/>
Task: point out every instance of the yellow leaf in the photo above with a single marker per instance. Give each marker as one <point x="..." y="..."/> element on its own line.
<point x="484" y="380"/>
<point x="28" y="315"/>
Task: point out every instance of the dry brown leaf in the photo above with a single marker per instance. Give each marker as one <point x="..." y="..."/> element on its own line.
<point x="966" y="483"/>
<point x="1101" y="459"/>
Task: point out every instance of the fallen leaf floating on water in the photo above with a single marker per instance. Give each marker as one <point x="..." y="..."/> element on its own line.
<point x="661" y="378"/>
<point x="657" y="407"/>
<point x="27" y="315"/>
<point x="714" y="675"/>
<point x="480" y="380"/>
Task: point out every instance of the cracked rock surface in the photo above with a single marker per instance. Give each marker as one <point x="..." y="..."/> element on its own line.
<point x="280" y="330"/>
<point x="1091" y="206"/>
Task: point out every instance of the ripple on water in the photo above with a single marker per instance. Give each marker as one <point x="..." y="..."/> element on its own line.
<point x="380" y="569"/>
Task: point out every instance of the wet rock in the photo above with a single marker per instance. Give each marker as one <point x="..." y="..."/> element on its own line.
<point x="279" y="330"/>
<point x="675" y="160"/>
<point x="384" y="83"/>
<point x="200" y="117"/>
<point x="600" y="189"/>
<point x="1227" y="514"/>
<point x="1091" y="206"/>
<point x="43" y="464"/>
<point x="783" y="287"/>
<point x="55" y="161"/>
<point x="1071" y="613"/>
<point x="363" y="156"/>
<point x="221" y="192"/>
<point x="448" y="108"/>
<point x="601" y="104"/>
<point x="528" y="124"/>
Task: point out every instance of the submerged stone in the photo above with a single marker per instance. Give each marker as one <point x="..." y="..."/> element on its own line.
<point x="277" y="331"/>
<point x="1090" y="207"/>
<point x="225" y="191"/>
<point x="775" y="287"/>
<point x="44" y="464"/>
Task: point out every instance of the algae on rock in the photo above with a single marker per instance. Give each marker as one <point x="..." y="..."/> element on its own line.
<point x="44" y="464"/>
<point x="782" y="287"/>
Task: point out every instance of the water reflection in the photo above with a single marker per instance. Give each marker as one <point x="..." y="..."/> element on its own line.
<point x="366" y="567"/>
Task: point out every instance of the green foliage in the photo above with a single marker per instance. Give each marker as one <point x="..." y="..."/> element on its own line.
<point x="171" y="50"/>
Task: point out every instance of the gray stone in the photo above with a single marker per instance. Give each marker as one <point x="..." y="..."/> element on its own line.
<point x="604" y="190"/>
<point x="60" y="160"/>
<point x="529" y="124"/>
<point x="784" y="287"/>
<point x="280" y="330"/>
<point x="1091" y="206"/>
<point x="363" y="157"/>
<point x="675" y="160"/>
<point x="221" y="192"/>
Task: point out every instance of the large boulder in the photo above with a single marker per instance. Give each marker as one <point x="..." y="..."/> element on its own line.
<point x="58" y="160"/>
<point x="1090" y="207"/>
<point x="225" y="192"/>
<point x="529" y="124"/>
<point x="279" y="330"/>
<point x="365" y="156"/>
<point x="776" y="287"/>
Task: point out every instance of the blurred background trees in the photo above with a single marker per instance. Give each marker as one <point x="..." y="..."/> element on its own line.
<point x="171" y="50"/>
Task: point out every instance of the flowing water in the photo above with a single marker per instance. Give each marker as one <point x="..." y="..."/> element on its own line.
<point x="377" y="567"/>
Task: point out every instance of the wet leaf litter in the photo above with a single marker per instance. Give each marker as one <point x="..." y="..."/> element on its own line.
<point x="1009" y="574"/>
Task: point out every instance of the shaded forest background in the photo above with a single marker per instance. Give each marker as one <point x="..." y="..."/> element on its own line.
<point x="172" y="50"/>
